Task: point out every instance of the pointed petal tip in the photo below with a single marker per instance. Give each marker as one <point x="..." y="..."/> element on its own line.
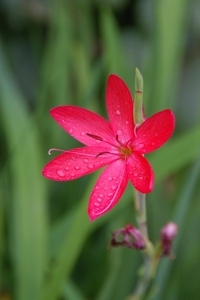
<point x="53" y="110"/>
<point x="92" y="217"/>
<point x="113" y="76"/>
<point x="145" y="189"/>
<point x="45" y="173"/>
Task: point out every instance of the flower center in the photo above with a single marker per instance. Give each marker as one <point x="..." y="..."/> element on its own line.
<point x="125" y="152"/>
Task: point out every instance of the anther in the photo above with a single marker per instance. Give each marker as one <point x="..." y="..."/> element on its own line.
<point x="135" y="128"/>
<point x="101" y="153"/>
<point x="117" y="139"/>
<point x="55" y="149"/>
<point x="96" y="137"/>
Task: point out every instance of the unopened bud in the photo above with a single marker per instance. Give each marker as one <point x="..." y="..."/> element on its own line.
<point x="129" y="237"/>
<point x="168" y="233"/>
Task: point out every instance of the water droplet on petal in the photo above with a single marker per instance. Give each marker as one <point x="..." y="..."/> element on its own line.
<point x="99" y="200"/>
<point x="113" y="187"/>
<point x="85" y="160"/>
<point x="60" y="173"/>
<point x="72" y="174"/>
<point x="118" y="112"/>
<point x="127" y="122"/>
<point x="90" y="166"/>
<point x="101" y="196"/>
<point x="67" y="169"/>
<point x="119" y="132"/>
<point x="153" y="144"/>
<point x="109" y="178"/>
<point x="140" y="177"/>
<point x="140" y="146"/>
<point x="82" y="133"/>
<point x="77" y="168"/>
<point x="135" y="174"/>
<point x="71" y="130"/>
<point x="96" y="204"/>
<point x="110" y="194"/>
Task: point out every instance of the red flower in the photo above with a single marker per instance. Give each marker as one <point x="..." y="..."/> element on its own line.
<point x="119" y="143"/>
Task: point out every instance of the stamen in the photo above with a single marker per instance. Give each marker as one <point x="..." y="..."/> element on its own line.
<point x="55" y="149"/>
<point x="101" y="153"/>
<point x="136" y="126"/>
<point x="96" y="137"/>
<point x="117" y="139"/>
<point x="112" y="153"/>
<point x="129" y="143"/>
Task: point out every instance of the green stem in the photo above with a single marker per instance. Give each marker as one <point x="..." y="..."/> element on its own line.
<point x="140" y="207"/>
<point x="143" y="284"/>
<point x="138" y="103"/>
<point x="140" y="201"/>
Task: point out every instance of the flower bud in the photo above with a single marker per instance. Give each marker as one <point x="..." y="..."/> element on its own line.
<point x="129" y="237"/>
<point x="168" y="233"/>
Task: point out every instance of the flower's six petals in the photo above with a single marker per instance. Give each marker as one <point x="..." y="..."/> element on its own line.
<point x="77" y="162"/>
<point x="108" y="189"/>
<point x="120" y="108"/>
<point x="154" y="132"/>
<point x="107" y="142"/>
<point x="140" y="173"/>
<point x="78" y="122"/>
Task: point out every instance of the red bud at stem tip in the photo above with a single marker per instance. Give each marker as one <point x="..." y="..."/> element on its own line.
<point x="168" y="233"/>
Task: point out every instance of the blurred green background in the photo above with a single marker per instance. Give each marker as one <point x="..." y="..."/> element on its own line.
<point x="61" y="52"/>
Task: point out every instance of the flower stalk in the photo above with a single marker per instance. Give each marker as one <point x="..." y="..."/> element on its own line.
<point x="138" y="114"/>
<point x="140" y="200"/>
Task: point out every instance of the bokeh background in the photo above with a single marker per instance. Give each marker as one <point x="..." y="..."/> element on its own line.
<point x="61" y="52"/>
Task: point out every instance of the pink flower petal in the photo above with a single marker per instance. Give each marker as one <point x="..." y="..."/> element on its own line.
<point x="140" y="173"/>
<point x="154" y="132"/>
<point x="75" y="163"/>
<point x="78" y="122"/>
<point x="108" y="189"/>
<point x="120" y="108"/>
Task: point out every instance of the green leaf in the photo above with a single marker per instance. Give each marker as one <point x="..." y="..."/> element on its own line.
<point x="176" y="154"/>
<point x="170" y="19"/>
<point x="27" y="207"/>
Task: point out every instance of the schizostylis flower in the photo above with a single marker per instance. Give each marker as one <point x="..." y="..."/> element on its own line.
<point x="118" y="145"/>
